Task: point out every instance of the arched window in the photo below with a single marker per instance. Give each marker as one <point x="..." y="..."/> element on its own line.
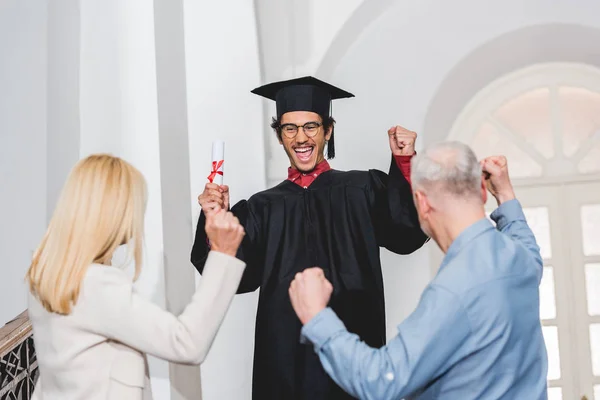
<point x="545" y="119"/>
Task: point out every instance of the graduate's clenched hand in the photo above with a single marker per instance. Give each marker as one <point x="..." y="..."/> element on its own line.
<point x="402" y="141"/>
<point x="214" y="196"/>
<point x="495" y="170"/>
<point x="310" y="292"/>
<point x="224" y="231"/>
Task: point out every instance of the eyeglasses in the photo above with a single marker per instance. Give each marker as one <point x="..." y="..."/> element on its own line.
<point x="310" y="129"/>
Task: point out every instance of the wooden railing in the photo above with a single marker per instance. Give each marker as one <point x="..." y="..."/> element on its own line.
<point x="18" y="363"/>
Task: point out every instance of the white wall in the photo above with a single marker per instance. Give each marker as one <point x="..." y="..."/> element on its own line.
<point x="296" y="34"/>
<point x="22" y="145"/>
<point x="222" y="67"/>
<point x="441" y="35"/>
<point x="62" y="97"/>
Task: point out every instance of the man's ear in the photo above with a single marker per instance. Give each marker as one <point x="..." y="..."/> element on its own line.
<point x="484" y="191"/>
<point x="328" y="133"/>
<point x="422" y="202"/>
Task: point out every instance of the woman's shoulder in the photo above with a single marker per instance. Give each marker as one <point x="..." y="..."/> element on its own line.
<point x="97" y="279"/>
<point x="104" y="289"/>
<point x="107" y="273"/>
<point x="100" y="277"/>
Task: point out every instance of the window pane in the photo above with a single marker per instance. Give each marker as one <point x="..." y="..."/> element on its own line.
<point x="539" y="222"/>
<point x="595" y="347"/>
<point x="528" y="116"/>
<point x="487" y="142"/>
<point x="580" y="118"/>
<point x="551" y="340"/>
<point x="591" y="161"/>
<point x="554" y="393"/>
<point x="592" y="285"/>
<point x="547" y="298"/>
<point x="590" y="229"/>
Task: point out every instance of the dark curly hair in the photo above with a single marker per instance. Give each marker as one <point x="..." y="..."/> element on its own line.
<point x="328" y="122"/>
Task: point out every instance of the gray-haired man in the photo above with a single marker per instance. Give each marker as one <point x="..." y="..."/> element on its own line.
<point x="476" y="332"/>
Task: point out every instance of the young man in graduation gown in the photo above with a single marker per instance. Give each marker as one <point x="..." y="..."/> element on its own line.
<point x="317" y="217"/>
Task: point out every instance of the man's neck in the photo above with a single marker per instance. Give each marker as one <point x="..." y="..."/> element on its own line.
<point x="454" y="224"/>
<point x="319" y="163"/>
<point x="305" y="178"/>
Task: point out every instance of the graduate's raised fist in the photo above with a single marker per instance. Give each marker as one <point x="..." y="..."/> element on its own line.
<point x="497" y="180"/>
<point x="214" y="196"/>
<point x="402" y="141"/>
<point x="224" y="231"/>
<point x="309" y="293"/>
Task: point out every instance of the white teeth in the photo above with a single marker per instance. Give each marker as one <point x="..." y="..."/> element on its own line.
<point x="303" y="149"/>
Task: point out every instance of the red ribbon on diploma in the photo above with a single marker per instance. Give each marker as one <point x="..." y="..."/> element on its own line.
<point x="215" y="170"/>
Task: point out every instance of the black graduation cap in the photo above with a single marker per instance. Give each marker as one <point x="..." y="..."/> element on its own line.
<point x="302" y="94"/>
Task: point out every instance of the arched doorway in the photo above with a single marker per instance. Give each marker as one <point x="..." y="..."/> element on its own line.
<point x="546" y="120"/>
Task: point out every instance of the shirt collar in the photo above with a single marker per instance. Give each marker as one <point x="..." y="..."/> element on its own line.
<point x="466" y="236"/>
<point x="294" y="174"/>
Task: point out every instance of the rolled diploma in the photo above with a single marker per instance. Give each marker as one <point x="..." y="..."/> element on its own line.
<point x="218" y="153"/>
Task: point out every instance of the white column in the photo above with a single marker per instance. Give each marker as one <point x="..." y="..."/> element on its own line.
<point x="119" y="116"/>
<point x="175" y="176"/>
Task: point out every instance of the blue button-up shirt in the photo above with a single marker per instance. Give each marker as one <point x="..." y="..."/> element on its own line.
<point x="475" y="334"/>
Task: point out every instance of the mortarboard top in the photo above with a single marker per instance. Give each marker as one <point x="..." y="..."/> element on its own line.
<point x="302" y="94"/>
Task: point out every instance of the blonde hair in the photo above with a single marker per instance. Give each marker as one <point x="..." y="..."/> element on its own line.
<point x="101" y="207"/>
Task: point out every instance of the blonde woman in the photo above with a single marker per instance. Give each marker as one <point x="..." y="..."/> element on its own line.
<point x="91" y="330"/>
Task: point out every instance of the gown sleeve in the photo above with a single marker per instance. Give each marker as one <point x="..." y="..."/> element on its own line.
<point x="403" y="163"/>
<point x="393" y="211"/>
<point x="249" y="250"/>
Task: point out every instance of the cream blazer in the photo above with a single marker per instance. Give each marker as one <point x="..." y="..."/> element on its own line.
<point x="98" y="351"/>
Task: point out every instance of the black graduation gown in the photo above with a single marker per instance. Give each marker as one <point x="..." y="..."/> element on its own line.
<point x="338" y="223"/>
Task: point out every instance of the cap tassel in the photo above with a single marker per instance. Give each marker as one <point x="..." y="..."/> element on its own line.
<point x="331" y="146"/>
<point x="331" y="143"/>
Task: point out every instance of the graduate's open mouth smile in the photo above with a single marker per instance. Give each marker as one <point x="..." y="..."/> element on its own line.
<point x="304" y="153"/>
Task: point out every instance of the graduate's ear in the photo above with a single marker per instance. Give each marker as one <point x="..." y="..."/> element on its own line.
<point x="329" y="132"/>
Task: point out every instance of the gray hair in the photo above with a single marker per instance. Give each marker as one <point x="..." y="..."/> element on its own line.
<point x="451" y="167"/>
